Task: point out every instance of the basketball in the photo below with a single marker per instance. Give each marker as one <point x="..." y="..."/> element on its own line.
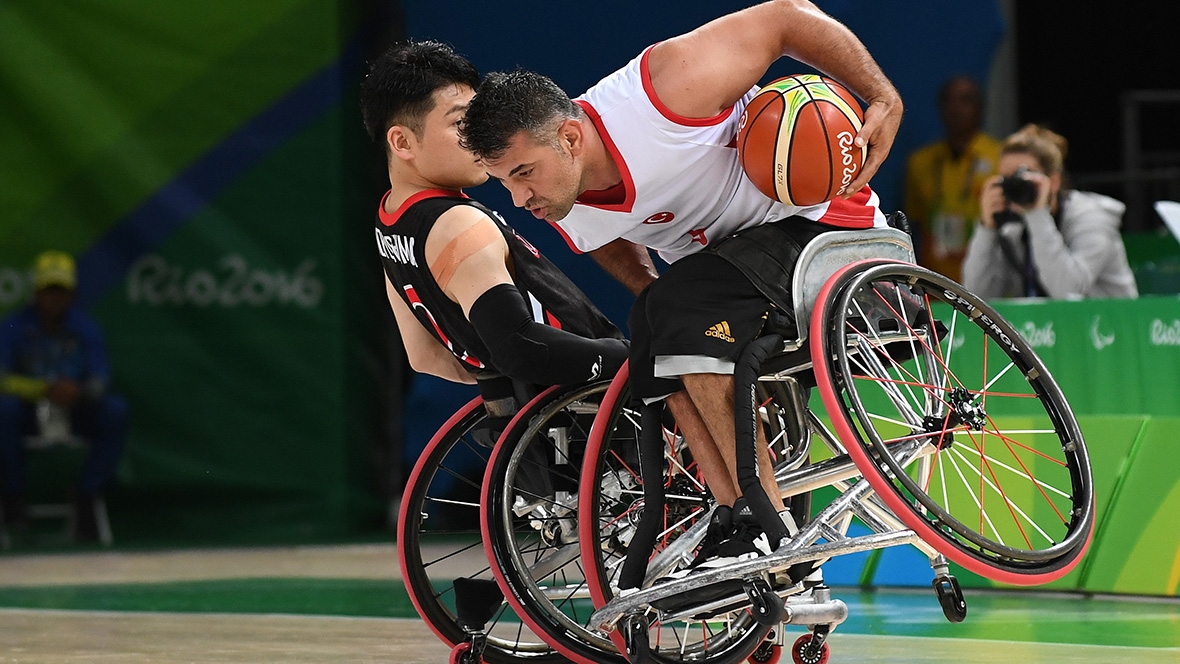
<point x="795" y="139"/>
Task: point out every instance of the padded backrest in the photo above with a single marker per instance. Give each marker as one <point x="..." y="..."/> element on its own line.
<point x="829" y="252"/>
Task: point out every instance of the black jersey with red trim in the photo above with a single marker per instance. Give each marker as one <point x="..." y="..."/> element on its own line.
<point x="551" y="297"/>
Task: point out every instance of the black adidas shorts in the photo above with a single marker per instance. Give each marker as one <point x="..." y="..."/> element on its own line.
<point x="701" y="306"/>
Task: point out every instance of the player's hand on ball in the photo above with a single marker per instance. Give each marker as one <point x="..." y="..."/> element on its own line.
<point x="882" y="118"/>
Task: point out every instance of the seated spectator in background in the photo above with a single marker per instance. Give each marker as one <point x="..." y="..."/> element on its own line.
<point x="53" y="369"/>
<point x="944" y="179"/>
<point x="1035" y="238"/>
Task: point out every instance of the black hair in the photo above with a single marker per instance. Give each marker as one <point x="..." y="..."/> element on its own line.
<point x="944" y="90"/>
<point x="399" y="88"/>
<point x="507" y="103"/>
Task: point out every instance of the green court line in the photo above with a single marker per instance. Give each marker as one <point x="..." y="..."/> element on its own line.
<point x="339" y="597"/>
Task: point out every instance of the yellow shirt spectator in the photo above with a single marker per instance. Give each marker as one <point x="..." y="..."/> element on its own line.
<point x="942" y="198"/>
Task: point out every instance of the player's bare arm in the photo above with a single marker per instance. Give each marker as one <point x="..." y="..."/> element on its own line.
<point x="425" y="353"/>
<point x="703" y="72"/>
<point x="629" y="263"/>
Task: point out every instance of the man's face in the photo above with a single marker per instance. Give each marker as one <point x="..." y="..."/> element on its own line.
<point x="542" y="176"/>
<point x="53" y="302"/>
<point x="438" y="156"/>
<point x="962" y="107"/>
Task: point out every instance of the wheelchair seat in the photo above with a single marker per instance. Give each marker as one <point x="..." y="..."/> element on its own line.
<point x="818" y="261"/>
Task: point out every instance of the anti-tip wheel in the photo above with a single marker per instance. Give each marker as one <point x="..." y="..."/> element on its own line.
<point x="767" y="653"/>
<point x="804" y="652"/>
<point x="462" y="654"/>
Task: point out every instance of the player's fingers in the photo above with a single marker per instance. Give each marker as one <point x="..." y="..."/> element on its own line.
<point x="878" y="131"/>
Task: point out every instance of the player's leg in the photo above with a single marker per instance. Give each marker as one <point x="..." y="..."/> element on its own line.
<point x="712" y="394"/>
<point x="645" y="386"/>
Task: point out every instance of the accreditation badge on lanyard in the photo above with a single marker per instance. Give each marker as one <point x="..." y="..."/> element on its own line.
<point x="950" y="234"/>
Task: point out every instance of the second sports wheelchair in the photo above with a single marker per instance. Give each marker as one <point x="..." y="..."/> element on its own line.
<point x="940" y="428"/>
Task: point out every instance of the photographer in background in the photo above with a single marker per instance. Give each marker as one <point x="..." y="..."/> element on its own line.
<point x="1037" y="239"/>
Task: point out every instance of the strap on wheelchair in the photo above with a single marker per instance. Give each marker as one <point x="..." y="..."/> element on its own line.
<point x="651" y="469"/>
<point x="500" y="399"/>
<point x="745" y="416"/>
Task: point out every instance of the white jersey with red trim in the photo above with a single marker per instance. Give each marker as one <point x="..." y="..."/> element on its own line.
<point x="683" y="187"/>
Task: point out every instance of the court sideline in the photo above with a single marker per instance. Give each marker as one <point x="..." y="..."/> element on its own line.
<point x="309" y="604"/>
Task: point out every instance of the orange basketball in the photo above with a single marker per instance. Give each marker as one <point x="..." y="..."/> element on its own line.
<point x="795" y="139"/>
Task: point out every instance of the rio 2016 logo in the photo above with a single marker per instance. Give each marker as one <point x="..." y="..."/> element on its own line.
<point x="1165" y="334"/>
<point x="153" y="281"/>
<point x="1039" y="337"/>
<point x="850" y="167"/>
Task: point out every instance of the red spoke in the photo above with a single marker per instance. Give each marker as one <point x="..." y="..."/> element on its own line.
<point x="1007" y="503"/>
<point x="981" y="495"/>
<point x="937" y="356"/>
<point x="628" y="468"/>
<point x="1007" y="394"/>
<point x="1017" y="443"/>
<point x="936" y="387"/>
<point x="664" y="541"/>
<point x="897" y="365"/>
<point x="984" y="381"/>
<point x="627" y="511"/>
<point x="930" y="313"/>
<point x="900" y="382"/>
<point x="1029" y="475"/>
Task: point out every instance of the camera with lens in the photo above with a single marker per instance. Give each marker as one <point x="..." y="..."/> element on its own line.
<point x="1019" y="190"/>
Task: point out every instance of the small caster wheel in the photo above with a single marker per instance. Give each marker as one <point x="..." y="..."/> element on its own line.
<point x="767" y="653"/>
<point x="463" y="654"/>
<point x="950" y="597"/>
<point x="766" y="606"/>
<point x="636" y="637"/>
<point x="805" y="652"/>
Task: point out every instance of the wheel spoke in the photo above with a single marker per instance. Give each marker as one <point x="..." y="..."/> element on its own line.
<point x="1011" y="505"/>
<point x="994" y="461"/>
<point x="971" y="492"/>
<point x="876" y="336"/>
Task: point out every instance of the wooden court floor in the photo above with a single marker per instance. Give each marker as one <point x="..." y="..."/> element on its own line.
<point x="35" y="631"/>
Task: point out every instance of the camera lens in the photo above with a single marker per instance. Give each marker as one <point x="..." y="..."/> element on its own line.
<point x="1018" y="190"/>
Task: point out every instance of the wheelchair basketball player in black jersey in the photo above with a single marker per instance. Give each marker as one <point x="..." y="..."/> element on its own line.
<point x="474" y="302"/>
<point x="472" y="298"/>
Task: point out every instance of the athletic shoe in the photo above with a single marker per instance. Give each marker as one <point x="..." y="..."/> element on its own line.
<point x="720" y="528"/>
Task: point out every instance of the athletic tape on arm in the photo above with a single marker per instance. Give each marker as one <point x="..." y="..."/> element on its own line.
<point x="460" y="248"/>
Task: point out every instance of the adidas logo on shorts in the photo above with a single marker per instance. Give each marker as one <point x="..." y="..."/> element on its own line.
<point x="720" y="331"/>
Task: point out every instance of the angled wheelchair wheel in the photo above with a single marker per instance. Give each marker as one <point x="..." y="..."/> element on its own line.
<point x="530" y="517"/>
<point x="954" y="421"/>
<point x="439" y="540"/>
<point x="611" y="500"/>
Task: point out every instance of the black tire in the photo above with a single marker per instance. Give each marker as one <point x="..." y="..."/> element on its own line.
<point x="439" y="538"/>
<point x="610" y="500"/>
<point x="530" y="496"/>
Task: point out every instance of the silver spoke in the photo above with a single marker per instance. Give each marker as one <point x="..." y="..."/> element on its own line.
<point x="881" y="345"/>
<point x="1011" y="504"/>
<point x="1021" y="473"/>
<point x="971" y="492"/>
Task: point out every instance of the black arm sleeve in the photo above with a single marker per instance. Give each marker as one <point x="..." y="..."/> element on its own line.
<point x="532" y="352"/>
